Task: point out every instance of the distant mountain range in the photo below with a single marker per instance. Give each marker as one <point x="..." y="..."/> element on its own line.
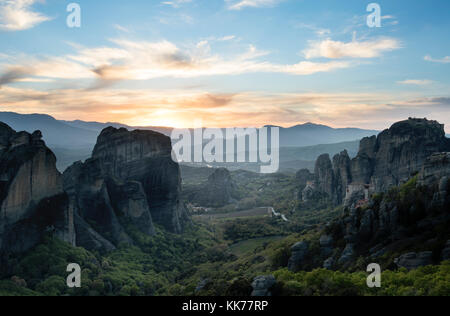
<point x="74" y="140"/>
<point x="311" y="134"/>
<point x="80" y="133"/>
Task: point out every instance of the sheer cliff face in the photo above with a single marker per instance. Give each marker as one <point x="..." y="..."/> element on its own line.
<point x="32" y="199"/>
<point x="324" y="176"/>
<point x="384" y="161"/>
<point x="130" y="176"/>
<point x="403" y="149"/>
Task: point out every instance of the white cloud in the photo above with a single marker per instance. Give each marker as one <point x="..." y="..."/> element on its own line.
<point x="354" y="49"/>
<point x="445" y="60"/>
<point x="17" y="15"/>
<point x="227" y="38"/>
<point x="422" y="82"/>
<point x="251" y="3"/>
<point x="142" y="60"/>
<point x="121" y="28"/>
<point x="319" y="31"/>
<point x="176" y="3"/>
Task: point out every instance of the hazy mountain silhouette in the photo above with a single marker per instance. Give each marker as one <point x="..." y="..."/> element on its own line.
<point x="311" y="134"/>
<point x="55" y="133"/>
<point x="74" y="140"/>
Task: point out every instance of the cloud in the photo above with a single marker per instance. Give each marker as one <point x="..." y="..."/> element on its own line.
<point x="422" y="82"/>
<point x="319" y="31"/>
<point x="251" y="3"/>
<point x="14" y="74"/>
<point x="445" y="60"/>
<point x="176" y="3"/>
<point x="17" y="15"/>
<point x="142" y="60"/>
<point x="355" y="49"/>
<point x="226" y="38"/>
<point x="182" y="107"/>
<point x="121" y="28"/>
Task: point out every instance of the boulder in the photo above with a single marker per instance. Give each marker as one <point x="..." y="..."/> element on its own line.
<point x="326" y="241"/>
<point x="329" y="263"/>
<point x="262" y="285"/>
<point x="347" y="254"/>
<point x="414" y="260"/>
<point x="299" y="252"/>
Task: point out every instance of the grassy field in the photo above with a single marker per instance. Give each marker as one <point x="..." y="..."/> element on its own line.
<point x="255" y="212"/>
<point x="250" y="245"/>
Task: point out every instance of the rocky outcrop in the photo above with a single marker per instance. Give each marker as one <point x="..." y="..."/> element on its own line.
<point x="408" y="167"/>
<point x="383" y="161"/>
<point x="363" y="164"/>
<point x="304" y="179"/>
<point x="342" y="175"/>
<point x="219" y="190"/>
<point x="326" y="245"/>
<point x="347" y="254"/>
<point x="32" y="200"/>
<point x="262" y="285"/>
<point x="130" y="179"/>
<point x="414" y="260"/>
<point x="446" y="251"/>
<point x="324" y="176"/>
<point x="436" y="168"/>
<point x="328" y="263"/>
<point x="402" y="150"/>
<point x="144" y="156"/>
<point x="299" y="251"/>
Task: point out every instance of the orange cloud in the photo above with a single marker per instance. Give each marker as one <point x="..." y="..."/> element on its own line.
<point x="181" y="108"/>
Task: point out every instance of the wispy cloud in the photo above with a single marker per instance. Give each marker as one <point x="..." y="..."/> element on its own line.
<point x="14" y="74"/>
<point x="416" y="82"/>
<point x="318" y="30"/>
<point x="142" y="60"/>
<point x="121" y="28"/>
<point x="241" y="4"/>
<point x="176" y="3"/>
<point x="355" y="49"/>
<point x="17" y="15"/>
<point x="445" y="60"/>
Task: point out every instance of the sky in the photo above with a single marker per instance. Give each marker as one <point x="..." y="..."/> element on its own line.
<point x="225" y="63"/>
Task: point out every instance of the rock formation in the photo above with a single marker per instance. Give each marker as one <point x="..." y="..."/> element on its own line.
<point x="130" y="179"/>
<point x="414" y="260"/>
<point x="415" y="208"/>
<point x="219" y="190"/>
<point x="325" y="180"/>
<point x="383" y="161"/>
<point x="408" y="166"/>
<point x="32" y="200"/>
<point x="299" y="252"/>
<point x="402" y="150"/>
<point x="262" y="284"/>
<point x="347" y="254"/>
<point x="342" y="175"/>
